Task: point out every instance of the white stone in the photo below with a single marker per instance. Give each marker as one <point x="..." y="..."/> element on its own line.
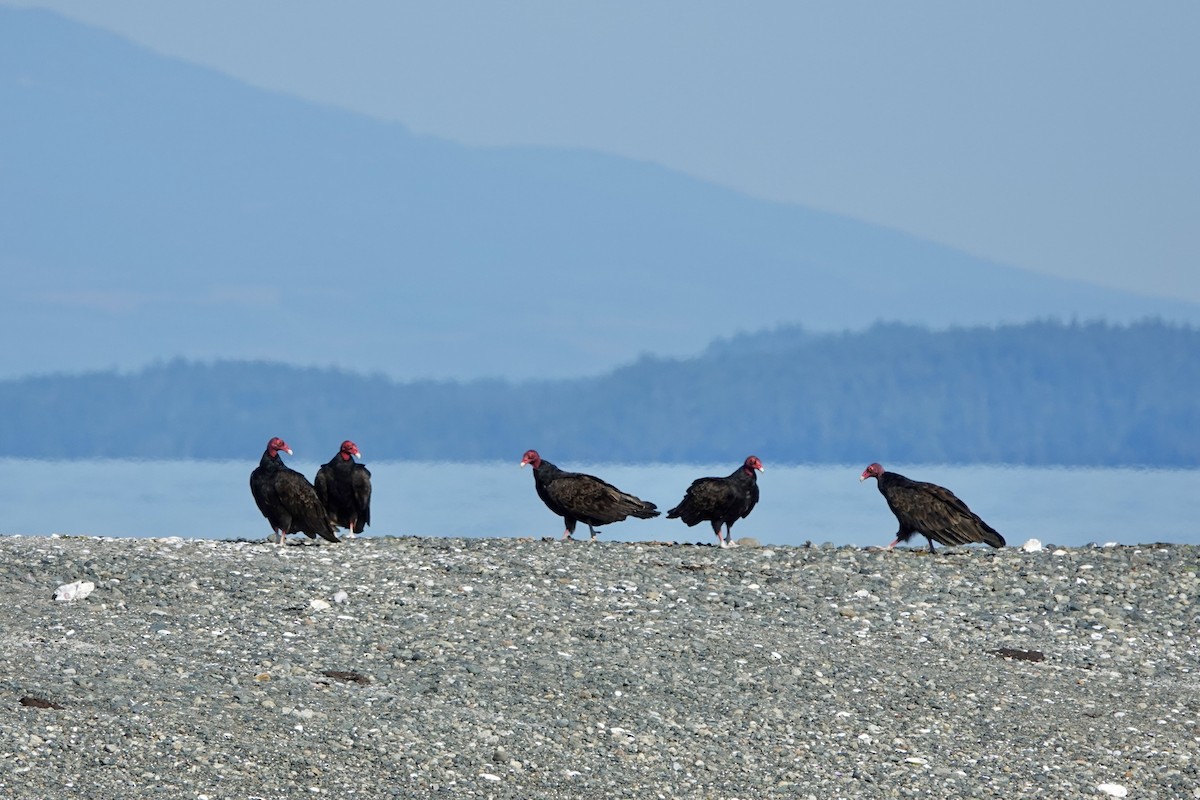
<point x="317" y="604"/>
<point x="1032" y="546"/>
<point x="340" y="596"/>
<point x="74" y="591"/>
<point x="1113" y="789"/>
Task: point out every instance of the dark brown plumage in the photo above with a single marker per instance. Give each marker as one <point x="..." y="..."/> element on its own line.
<point x="721" y="501"/>
<point x="286" y="498"/>
<point x="344" y="488"/>
<point x="583" y="498"/>
<point x="930" y="510"/>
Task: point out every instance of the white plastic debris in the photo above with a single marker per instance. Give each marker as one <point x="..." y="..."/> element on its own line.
<point x="74" y="591"/>
<point x="318" y="604"/>
<point x="340" y="596"/>
<point x="1113" y="789"/>
<point x="1032" y="546"/>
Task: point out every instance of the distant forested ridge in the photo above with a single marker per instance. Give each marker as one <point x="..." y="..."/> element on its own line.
<point x="1037" y="394"/>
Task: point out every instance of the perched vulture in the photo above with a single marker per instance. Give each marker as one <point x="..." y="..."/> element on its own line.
<point x="721" y="501"/>
<point x="583" y="498"/>
<point x="286" y="498"/>
<point x="930" y="510"/>
<point x="344" y="488"/>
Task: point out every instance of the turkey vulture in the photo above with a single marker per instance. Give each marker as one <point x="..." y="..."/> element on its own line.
<point x="286" y="498"/>
<point x="721" y="501"/>
<point x="930" y="510"/>
<point x="344" y="488"/>
<point x="583" y="498"/>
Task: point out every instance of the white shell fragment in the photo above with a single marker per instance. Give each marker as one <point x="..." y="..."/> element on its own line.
<point x="1113" y="789"/>
<point x="1032" y="546"/>
<point x="74" y="591"/>
<point x="317" y="604"/>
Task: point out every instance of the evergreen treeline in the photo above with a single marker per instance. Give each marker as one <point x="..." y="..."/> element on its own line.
<point x="1038" y="393"/>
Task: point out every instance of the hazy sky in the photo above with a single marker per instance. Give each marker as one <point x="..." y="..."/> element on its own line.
<point x="1062" y="137"/>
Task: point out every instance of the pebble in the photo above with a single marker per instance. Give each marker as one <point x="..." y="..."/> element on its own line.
<point x="512" y="668"/>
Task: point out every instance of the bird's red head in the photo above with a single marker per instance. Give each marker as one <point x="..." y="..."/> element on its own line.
<point x="753" y="462"/>
<point x="277" y="445"/>
<point x="531" y="458"/>
<point x="349" y="449"/>
<point x="873" y="471"/>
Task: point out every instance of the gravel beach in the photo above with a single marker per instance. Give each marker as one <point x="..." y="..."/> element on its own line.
<point x="517" y="668"/>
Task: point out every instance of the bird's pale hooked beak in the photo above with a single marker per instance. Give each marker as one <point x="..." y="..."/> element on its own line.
<point x="523" y="463"/>
<point x="287" y="450"/>
<point x="862" y="478"/>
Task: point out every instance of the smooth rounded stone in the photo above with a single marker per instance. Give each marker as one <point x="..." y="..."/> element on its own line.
<point x="597" y="670"/>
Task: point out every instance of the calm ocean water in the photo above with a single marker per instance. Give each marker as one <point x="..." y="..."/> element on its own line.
<point x="818" y="503"/>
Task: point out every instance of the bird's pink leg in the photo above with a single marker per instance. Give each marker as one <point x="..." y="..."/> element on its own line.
<point x="895" y="542"/>
<point x="567" y="535"/>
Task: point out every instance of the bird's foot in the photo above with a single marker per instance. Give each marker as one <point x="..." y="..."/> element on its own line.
<point x="730" y="543"/>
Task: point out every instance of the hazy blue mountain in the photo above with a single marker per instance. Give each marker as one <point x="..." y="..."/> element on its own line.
<point x="151" y="209"/>
<point x="1038" y="393"/>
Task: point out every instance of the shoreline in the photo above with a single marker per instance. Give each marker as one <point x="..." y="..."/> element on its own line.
<point x="916" y="543"/>
<point x="498" y="667"/>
